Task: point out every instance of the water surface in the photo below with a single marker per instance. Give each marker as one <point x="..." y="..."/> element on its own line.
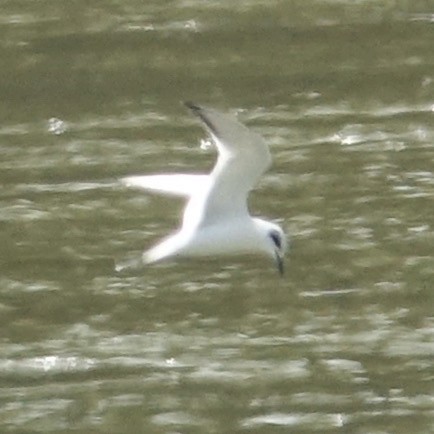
<point x="344" y="94"/>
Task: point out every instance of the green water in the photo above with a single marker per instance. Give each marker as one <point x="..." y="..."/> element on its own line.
<point x="343" y="92"/>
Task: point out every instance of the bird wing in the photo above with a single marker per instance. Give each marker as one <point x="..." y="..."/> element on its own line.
<point x="243" y="157"/>
<point x="170" y="184"/>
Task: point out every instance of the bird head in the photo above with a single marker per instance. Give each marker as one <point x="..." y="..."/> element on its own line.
<point x="275" y="244"/>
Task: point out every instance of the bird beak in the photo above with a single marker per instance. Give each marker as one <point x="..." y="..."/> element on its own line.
<point x="279" y="263"/>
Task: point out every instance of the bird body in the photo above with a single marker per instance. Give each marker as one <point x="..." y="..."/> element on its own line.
<point x="216" y="219"/>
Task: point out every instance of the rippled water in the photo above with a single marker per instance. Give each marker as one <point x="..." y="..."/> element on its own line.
<point x="344" y="94"/>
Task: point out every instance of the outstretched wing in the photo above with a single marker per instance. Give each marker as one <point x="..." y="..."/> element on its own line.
<point x="171" y="184"/>
<point x="243" y="157"/>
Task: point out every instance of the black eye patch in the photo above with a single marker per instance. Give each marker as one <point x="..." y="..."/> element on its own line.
<point x="274" y="235"/>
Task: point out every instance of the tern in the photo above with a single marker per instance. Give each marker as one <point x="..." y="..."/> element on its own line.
<point x="216" y="219"/>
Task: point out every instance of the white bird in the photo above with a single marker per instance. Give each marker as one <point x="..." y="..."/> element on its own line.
<point x="216" y="219"/>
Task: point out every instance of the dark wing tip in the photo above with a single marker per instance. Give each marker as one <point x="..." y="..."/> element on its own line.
<point x="192" y="106"/>
<point x="199" y="112"/>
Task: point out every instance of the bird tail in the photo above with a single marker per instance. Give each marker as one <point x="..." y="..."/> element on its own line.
<point x="168" y="248"/>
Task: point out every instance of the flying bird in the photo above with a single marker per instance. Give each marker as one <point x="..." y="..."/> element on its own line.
<point x="216" y="219"/>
